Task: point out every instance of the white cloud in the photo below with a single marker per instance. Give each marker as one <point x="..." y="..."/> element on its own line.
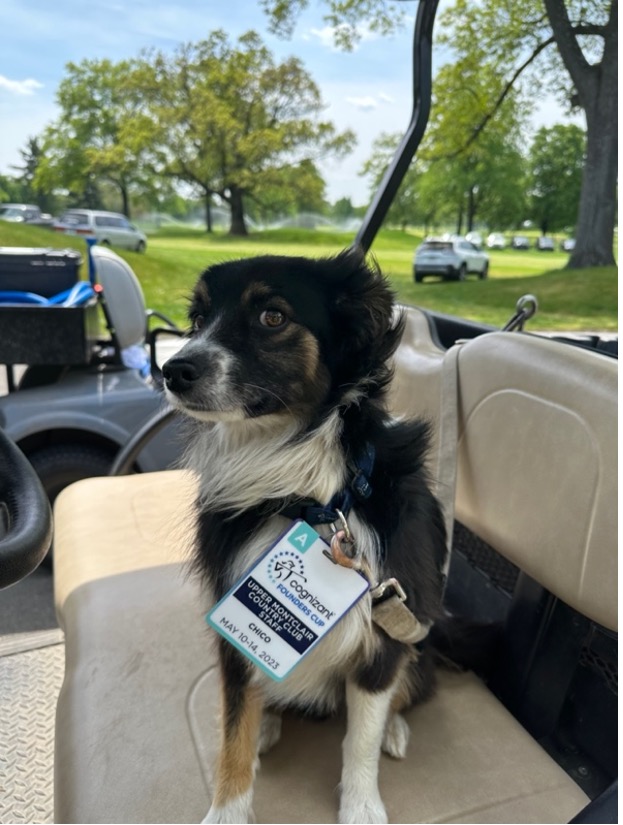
<point x="364" y="103"/>
<point x="327" y="35"/>
<point x="20" y="87"/>
<point x="386" y="98"/>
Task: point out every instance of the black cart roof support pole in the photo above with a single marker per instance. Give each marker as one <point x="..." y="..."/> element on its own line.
<point x="422" y="91"/>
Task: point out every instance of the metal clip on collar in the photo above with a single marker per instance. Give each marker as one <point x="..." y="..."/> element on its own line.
<point x="379" y="591"/>
<point x="353" y="559"/>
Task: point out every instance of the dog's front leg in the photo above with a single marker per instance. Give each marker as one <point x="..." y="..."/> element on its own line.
<point x="240" y="726"/>
<point x="367" y="711"/>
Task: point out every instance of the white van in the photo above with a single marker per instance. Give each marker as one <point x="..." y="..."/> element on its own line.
<point x="109" y="228"/>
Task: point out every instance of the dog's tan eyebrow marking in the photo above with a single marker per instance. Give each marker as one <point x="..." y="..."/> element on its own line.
<point x="202" y="293"/>
<point x="261" y="293"/>
<point x="255" y="291"/>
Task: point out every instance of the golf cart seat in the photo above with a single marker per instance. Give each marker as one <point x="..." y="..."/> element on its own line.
<point x="137" y="715"/>
<point x="123" y="295"/>
<point x="128" y="317"/>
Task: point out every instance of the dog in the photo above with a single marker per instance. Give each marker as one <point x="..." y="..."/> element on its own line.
<point x="284" y="379"/>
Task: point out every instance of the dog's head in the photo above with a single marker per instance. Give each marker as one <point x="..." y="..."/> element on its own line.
<point x="287" y="336"/>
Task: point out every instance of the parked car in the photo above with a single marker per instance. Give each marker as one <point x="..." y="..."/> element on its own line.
<point x="453" y="259"/>
<point x="496" y="241"/>
<point x="25" y="213"/>
<point x="520" y="242"/>
<point x="108" y="228"/>
<point x="475" y="238"/>
<point x="567" y="244"/>
<point x="544" y="244"/>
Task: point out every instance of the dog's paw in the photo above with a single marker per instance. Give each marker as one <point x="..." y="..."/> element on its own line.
<point x="234" y="811"/>
<point x="366" y="809"/>
<point x="270" y="731"/>
<point x="396" y="736"/>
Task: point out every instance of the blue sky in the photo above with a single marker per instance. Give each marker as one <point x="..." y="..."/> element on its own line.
<point x="368" y="90"/>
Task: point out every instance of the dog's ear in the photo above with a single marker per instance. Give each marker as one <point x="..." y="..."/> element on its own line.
<point x="369" y="327"/>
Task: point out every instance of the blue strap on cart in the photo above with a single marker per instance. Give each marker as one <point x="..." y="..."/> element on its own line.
<point x="79" y="294"/>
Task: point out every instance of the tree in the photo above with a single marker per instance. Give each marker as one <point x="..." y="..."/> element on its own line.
<point x="11" y="190"/>
<point x="32" y="155"/>
<point x="235" y="123"/>
<point x="486" y="177"/>
<point x="566" y="46"/>
<point x="342" y="209"/>
<point x="405" y="207"/>
<point x="346" y="17"/>
<point x="448" y="180"/>
<point x="570" y="48"/>
<point x="556" y="161"/>
<point x="301" y="189"/>
<point x="102" y="133"/>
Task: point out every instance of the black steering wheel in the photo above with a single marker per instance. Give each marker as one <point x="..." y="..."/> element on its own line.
<point x="25" y="515"/>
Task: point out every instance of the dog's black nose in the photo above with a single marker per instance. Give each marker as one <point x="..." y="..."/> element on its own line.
<point x="180" y="374"/>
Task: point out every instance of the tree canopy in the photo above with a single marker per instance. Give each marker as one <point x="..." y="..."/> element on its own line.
<point x="224" y="117"/>
<point x="556" y="161"/>
<point x="450" y="181"/>
<point x="235" y="123"/>
<point x="100" y="133"/>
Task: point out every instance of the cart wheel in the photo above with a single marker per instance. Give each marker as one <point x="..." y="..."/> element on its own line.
<point x="59" y="465"/>
<point x="485" y="272"/>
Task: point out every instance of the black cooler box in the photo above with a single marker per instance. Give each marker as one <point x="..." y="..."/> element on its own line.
<point x="42" y="271"/>
<point x="38" y="334"/>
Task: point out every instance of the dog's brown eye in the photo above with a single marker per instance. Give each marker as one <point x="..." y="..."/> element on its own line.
<point x="197" y="322"/>
<point x="272" y="318"/>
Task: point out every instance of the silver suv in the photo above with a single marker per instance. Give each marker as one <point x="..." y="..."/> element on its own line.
<point x="108" y="228"/>
<point x="451" y="258"/>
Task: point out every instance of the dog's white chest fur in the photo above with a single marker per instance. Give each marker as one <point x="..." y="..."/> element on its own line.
<point x="243" y="463"/>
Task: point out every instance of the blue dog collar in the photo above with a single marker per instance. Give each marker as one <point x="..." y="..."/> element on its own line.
<point x="359" y="489"/>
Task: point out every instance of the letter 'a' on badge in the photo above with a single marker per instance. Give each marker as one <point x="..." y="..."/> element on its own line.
<point x="302" y="537"/>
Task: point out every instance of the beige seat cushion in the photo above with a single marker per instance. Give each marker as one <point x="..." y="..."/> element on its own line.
<point x="121" y="525"/>
<point x="416" y="388"/>
<point x="537" y="463"/>
<point x="136" y="723"/>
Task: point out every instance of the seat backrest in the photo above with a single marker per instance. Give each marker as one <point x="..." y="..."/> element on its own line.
<point x="123" y="294"/>
<point x="417" y="364"/>
<point x="537" y="463"/>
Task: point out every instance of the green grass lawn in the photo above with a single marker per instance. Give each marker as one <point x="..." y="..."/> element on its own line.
<point x="568" y="299"/>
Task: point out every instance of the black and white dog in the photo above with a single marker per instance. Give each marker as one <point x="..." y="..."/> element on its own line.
<point x="284" y="377"/>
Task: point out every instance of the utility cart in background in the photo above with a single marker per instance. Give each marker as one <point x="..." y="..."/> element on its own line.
<point x="80" y="361"/>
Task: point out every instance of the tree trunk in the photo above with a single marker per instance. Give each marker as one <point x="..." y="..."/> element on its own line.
<point x="237" y="226"/>
<point x="597" y="210"/>
<point x="125" y="198"/>
<point x="208" y="206"/>
<point x="471" y="208"/>
<point x="459" y="220"/>
<point x="597" y="90"/>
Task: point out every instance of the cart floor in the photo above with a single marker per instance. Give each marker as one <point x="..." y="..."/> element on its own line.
<point x="31" y="674"/>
